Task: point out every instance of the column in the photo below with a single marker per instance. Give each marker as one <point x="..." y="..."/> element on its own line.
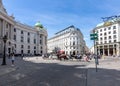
<point x="113" y="51"/>
<point x="119" y="49"/>
<point x="38" y="43"/>
<point x="103" y="51"/>
<point x="108" y="50"/>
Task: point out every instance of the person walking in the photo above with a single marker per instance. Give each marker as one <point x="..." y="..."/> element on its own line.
<point x="22" y="55"/>
<point x="12" y="59"/>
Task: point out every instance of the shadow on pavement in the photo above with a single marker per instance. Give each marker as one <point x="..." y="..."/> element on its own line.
<point x="104" y="77"/>
<point x="54" y="74"/>
<point x="44" y="74"/>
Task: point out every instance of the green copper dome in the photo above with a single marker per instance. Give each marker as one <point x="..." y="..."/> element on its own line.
<point x="38" y="25"/>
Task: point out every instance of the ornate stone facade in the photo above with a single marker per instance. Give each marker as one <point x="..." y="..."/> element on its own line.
<point x="21" y="38"/>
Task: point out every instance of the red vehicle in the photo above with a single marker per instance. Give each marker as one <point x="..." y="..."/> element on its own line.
<point x="61" y="55"/>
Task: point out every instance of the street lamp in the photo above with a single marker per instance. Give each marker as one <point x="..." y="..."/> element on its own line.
<point x="4" y="56"/>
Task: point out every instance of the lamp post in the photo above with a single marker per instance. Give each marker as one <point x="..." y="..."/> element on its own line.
<point x="4" y="56"/>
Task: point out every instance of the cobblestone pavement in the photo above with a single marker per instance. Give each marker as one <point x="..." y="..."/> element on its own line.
<point x="44" y="73"/>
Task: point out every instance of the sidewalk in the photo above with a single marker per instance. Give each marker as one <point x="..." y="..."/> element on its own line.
<point x="108" y="73"/>
<point x="4" y="69"/>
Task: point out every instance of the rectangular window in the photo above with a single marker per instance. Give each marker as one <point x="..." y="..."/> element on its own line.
<point x="104" y="29"/>
<point x="114" y="27"/>
<point x="40" y="41"/>
<point x="105" y="38"/>
<point x="28" y="34"/>
<point x="14" y="29"/>
<point x="114" y="32"/>
<point x="105" y="41"/>
<point x="22" y="46"/>
<point x="21" y="32"/>
<point x="15" y="45"/>
<point x="28" y="47"/>
<point x="105" y="34"/>
<point x="109" y="32"/>
<point x="109" y="41"/>
<point x="15" y="37"/>
<point x="114" y="36"/>
<point x="28" y="40"/>
<point x="109" y="37"/>
<point x="22" y="38"/>
<point x="34" y="41"/>
<point x="114" y="40"/>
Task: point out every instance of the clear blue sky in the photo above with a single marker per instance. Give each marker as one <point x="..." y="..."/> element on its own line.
<point x="56" y="15"/>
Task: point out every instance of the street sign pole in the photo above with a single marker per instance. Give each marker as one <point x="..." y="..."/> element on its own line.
<point x="94" y="36"/>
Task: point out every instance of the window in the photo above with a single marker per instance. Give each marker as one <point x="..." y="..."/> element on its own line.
<point x="114" y="27"/>
<point x="14" y="37"/>
<point x="34" y="47"/>
<point x="40" y="35"/>
<point x="100" y="38"/>
<point x="21" y="32"/>
<point x="104" y="29"/>
<point x="109" y="37"/>
<point x="28" y="40"/>
<point x="100" y="30"/>
<point x="40" y="41"/>
<point x="22" y="38"/>
<point x="28" y="34"/>
<point x="105" y="38"/>
<point x="109" y="41"/>
<point x="109" y="32"/>
<point x="101" y="34"/>
<point x="15" y="45"/>
<point x="109" y="28"/>
<point x="114" y="40"/>
<point x="28" y="51"/>
<point x="105" y="41"/>
<point x="73" y="33"/>
<point x="41" y="52"/>
<point x="114" y="36"/>
<point x="22" y="46"/>
<point x="73" y="43"/>
<point x="28" y="47"/>
<point x="22" y="51"/>
<point x="14" y="29"/>
<point x="114" y="32"/>
<point x="34" y="41"/>
<point x="105" y="34"/>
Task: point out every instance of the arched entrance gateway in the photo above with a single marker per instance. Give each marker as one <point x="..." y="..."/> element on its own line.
<point x="107" y="50"/>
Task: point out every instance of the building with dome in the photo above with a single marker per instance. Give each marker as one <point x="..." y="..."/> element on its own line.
<point x="22" y="38"/>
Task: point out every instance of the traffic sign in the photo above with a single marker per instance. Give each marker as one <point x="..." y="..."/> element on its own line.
<point x="94" y="36"/>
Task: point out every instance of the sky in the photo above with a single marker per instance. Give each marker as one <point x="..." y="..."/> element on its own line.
<point x="56" y="15"/>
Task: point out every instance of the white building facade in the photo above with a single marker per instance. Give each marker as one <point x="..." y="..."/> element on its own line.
<point x="70" y="40"/>
<point x="108" y="42"/>
<point x="21" y="38"/>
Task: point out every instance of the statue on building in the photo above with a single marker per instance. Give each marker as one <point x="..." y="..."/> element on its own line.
<point x="2" y="7"/>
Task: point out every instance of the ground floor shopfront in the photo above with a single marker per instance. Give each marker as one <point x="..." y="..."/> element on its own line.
<point x="108" y="49"/>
